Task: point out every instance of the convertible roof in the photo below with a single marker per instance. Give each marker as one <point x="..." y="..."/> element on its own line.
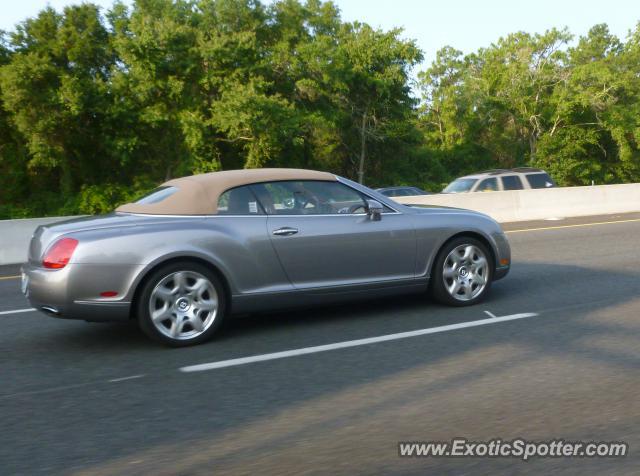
<point x="199" y="194"/>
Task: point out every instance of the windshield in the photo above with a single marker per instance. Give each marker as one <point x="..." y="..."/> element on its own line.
<point x="460" y="185"/>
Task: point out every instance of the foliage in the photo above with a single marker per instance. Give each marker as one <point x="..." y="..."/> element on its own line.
<point x="533" y="100"/>
<point x="98" y="107"/>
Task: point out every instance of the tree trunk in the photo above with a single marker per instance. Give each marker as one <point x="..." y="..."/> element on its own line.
<point x="363" y="148"/>
<point x="533" y="146"/>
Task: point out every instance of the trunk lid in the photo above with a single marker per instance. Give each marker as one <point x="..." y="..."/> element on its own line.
<point x="45" y="235"/>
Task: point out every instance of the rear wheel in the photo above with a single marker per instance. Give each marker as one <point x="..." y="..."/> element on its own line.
<point x="462" y="272"/>
<point x="181" y="304"/>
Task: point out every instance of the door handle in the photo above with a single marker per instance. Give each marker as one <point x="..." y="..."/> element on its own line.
<point x="285" y="231"/>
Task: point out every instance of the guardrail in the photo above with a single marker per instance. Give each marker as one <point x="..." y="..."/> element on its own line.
<point x="520" y="205"/>
<point x="539" y="204"/>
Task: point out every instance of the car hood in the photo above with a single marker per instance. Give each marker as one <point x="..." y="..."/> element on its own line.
<point x="441" y="209"/>
<point x="435" y="208"/>
<point x="102" y="221"/>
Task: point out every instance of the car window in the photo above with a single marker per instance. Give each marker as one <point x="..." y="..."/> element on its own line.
<point x="157" y="195"/>
<point x="511" y="182"/>
<point x="309" y="198"/>
<point x="239" y="201"/>
<point x="488" y="185"/>
<point x="540" y="180"/>
<point x="460" y="185"/>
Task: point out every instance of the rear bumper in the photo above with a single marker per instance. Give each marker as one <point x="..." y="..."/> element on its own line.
<point x="73" y="293"/>
<point x="91" y="312"/>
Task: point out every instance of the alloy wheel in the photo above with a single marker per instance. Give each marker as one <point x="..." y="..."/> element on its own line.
<point x="183" y="305"/>
<point x="465" y="272"/>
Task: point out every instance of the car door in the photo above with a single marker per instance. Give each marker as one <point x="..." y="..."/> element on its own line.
<point x="237" y="236"/>
<point x="324" y="237"/>
<point x="540" y="180"/>
<point x="488" y="185"/>
<point x="511" y="182"/>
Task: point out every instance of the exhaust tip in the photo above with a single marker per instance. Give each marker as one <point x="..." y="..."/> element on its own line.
<point x="50" y="310"/>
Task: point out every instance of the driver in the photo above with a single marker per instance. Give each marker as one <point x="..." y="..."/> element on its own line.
<point x="304" y="201"/>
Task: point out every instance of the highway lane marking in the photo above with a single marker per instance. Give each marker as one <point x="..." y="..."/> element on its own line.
<point x="68" y="387"/>
<point x="17" y="311"/>
<point x="9" y="277"/>
<point x="352" y="343"/>
<point x="574" y="226"/>
<point x="121" y="379"/>
<point x="47" y="390"/>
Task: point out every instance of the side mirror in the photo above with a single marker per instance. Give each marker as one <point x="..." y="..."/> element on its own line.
<point x="374" y="210"/>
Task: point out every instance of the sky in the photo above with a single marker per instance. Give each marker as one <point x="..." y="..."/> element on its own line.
<point x="464" y="24"/>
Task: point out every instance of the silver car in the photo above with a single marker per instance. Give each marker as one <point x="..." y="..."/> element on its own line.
<point x="501" y="180"/>
<point x="200" y="248"/>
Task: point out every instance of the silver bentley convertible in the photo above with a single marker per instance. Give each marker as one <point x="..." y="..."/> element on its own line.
<point x="199" y="248"/>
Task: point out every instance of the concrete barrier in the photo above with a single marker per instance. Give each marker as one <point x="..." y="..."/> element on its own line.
<point x="538" y="204"/>
<point x="15" y="236"/>
<point x="504" y="207"/>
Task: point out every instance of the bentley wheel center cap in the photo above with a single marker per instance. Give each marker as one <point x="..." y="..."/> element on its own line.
<point x="182" y="304"/>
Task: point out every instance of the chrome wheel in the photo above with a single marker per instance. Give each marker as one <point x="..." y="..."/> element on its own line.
<point x="183" y="305"/>
<point x="465" y="272"/>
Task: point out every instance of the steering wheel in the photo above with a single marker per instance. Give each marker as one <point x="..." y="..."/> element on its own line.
<point x="303" y="200"/>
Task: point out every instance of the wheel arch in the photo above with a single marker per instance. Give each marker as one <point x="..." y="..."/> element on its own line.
<point x="147" y="273"/>
<point x="470" y="234"/>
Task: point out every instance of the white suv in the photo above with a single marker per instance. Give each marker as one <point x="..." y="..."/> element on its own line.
<point x="522" y="178"/>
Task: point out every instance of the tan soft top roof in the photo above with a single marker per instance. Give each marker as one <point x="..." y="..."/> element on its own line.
<point x="199" y="194"/>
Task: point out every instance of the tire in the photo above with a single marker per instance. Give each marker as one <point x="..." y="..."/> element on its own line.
<point x="181" y="304"/>
<point x="462" y="272"/>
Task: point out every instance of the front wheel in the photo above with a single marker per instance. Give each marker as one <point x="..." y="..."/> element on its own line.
<point x="462" y="272"/>
<point x="181" y="304"/>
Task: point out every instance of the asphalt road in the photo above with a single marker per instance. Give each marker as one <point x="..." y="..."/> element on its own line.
<point x="79" y="398"/>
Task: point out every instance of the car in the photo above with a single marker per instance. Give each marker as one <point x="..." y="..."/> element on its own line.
<point x="521" y="178"/>
<point x="401" y="191"/>
<point x="201" y="248"/>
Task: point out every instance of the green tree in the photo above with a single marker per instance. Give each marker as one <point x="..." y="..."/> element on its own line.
<point x="377" y="85"/>
<point x="157" y="85"/>
<point x="95" y="108"/>
<point x="13" y="160"/>
<point x="54" y="88"/>
<point x="593" y="136"/>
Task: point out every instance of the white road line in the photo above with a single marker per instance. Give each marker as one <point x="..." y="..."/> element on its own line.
<point x="17" y="311"/>
<point x="47" y="390"/>
<point x="66" y="387"/>
<point x="126" y="378"/>
<point x="351" y="343"/>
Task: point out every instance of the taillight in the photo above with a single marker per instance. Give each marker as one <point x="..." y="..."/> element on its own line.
<point x="58" y="255"/>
